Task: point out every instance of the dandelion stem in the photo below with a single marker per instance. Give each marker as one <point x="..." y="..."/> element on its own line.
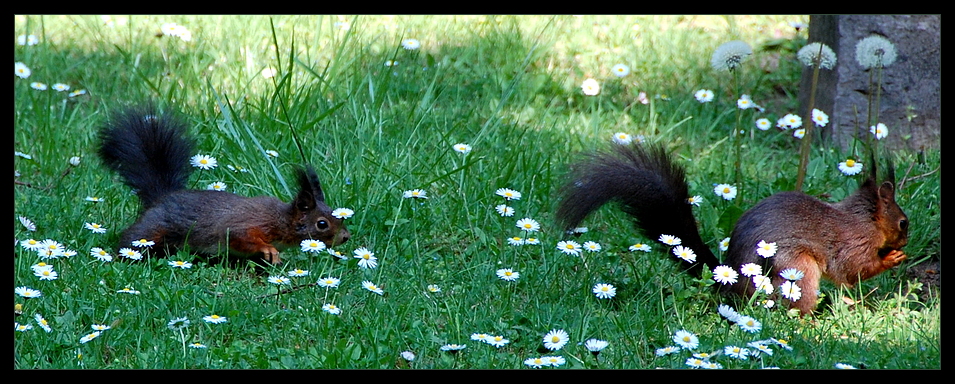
<point x="807" y="135"/>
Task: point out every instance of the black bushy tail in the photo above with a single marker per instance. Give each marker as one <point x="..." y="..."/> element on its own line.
<point x="149" y="149"/>
<point x="649" y="186"/>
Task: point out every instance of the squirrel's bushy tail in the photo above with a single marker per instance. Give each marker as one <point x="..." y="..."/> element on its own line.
<point x="649" y="186"/>
<point x="149" y="149"/>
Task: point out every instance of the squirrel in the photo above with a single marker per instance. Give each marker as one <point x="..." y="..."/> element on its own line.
<point x="845" y="242"/>
<point x="151" y="151"/>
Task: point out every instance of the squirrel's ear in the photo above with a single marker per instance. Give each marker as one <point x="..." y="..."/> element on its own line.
<point x="310" y="190"/>
<point x="887" y="191"/>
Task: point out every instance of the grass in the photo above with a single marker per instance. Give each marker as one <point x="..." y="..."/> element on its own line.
<point x="510" y="87"/>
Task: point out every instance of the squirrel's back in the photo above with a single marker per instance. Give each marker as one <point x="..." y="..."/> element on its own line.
<point x="149" y="149"/>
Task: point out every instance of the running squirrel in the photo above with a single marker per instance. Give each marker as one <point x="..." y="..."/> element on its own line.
<point x="151" y="151"/>
<point x="845" y="242"/>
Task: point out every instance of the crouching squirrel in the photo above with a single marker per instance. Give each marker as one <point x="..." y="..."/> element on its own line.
<point x="151" y="151"/>
<point x="845" y="242"/>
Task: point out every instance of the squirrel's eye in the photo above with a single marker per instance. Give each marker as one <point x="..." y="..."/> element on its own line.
<point x="903" y="224"/>
<point x="321" y="224"/>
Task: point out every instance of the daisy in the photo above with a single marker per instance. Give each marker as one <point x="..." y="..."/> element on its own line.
<point x="604" y="291"/>
<point x="415" y="194"/>
<point x="94" y="199"/>
<point x="310" y="245"/>
<point x="215" y="319"/>
<point x="507" y="274"/>
<point x="532" y="241"/>
<point x="343" y="213"/>
<point x="622" y="138"/>
<point x="693" y="362"/>
<point x="482" y="337"/>
<point x="694" y="200"/>
<point x="180" y="264"/>
<point x="726" y="191"/>
<point x="31" y="244"/>
<point x="799" y="133"/>
<point x="95" y="228"/>
<point x="639" y="247"/>
<point x="590" y="87"/>
<point x="89" y="337"/>
<point x="535" y="362"/>
<point x="763" y="283"/>
<point x="751" y="269"/>
<point x="27" y="40"/>
<point x="143" y="243"/>
<point x="736" y="352"/>
<point x="789" y="121"/>
<point x="810" y="54"/>
<point x="686" y="340"/>
<point x="130" y="253"/>
<point x="433" y="288"/>
<point x="197" y="345"/>
<point x="592" y="246"/>
<point x="100" y="327"/>
<point x="850" y="167"/>
<point x="372" y="287"/>
<point x="366" y="258"/>
<point x="684" y="253"/>
<point x="516" y="240"/>
<point x="410" y="44"/>
<point x="271" y="153"/>
<point x="765" y="249"/>
<point x="41" y="266"/>
<point x="595" y="345"/>
<point x="77" y="92"/>
<point x="337" y="254"/>
<point x="879" y="130"/>
<point x="407" y="355"/>
<point x="792" y="274"/>
<point x="782" y="343"/>
<point x="453" y="348"/>
<point x="529" y="225"/>
<point x="504" y="210"/>
<point x="21" y="70"/>
<point x="790" y="290"/>
<point x="279" y="280"/>
<point x="462" y="148"/>
<point x="46" y="274"/>
<point x="53" y="246"/>
<point x="749" y="324"/>
<point x="38" y="86"/>
<point x="332" y="309"/>
<point x="203" y="162"/>
<point x="128" y="290"/>
<point x="569" y="247"/>
<point x="820" y="118"/>
<point x="27" y="223"/>
<point x="178" y="323"/>
<point x="329" y="282"/>
<point x="27" y="292"/>
<point x="101" y="254"/>
<point x="704" y="95"/>
<point x="670" y="240"/>
<point x="763" y="124"/>
<point x="498" y="341"/>
<point x="728" y="312"/>
<point x="725" y="274"/>
<point x="217" y="186"/>
<point x="725" y="244"/>
<point x="730" y="55"/>
<point x="554" y="361"/>
<point x="875" y="52"/>
<point x="298" y="273"/>
<point x="21" y="327"/>
<point x="844" y="366"/>
<point x="620" y="70"/>
<point x="667" y="350"/>
<point x="556" y="339"/>
<point x="42" y="323"/>
<point x="508" y="194"/>
<point x="745" y="102"/>
<point x="759" y="347"/>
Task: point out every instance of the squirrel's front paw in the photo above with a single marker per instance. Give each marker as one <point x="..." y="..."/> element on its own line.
<point x="893" y="258"/>
<point x="271" y="255"/>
